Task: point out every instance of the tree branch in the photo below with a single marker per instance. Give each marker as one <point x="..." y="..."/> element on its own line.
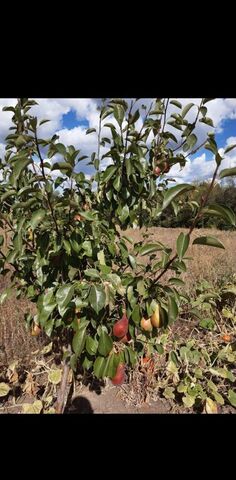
<point x="45" y="179"/>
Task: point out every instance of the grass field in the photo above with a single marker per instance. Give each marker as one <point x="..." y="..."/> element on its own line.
<point x="212" y="264"/>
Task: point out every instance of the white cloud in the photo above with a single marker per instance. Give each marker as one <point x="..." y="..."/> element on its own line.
<point x="201" y="168"/>
<point x="5" y="117"/>
<point x="2" y="150"/>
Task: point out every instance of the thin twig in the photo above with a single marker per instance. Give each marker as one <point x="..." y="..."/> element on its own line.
<point x="45" y="179"/>
<point x="204" y="201"/>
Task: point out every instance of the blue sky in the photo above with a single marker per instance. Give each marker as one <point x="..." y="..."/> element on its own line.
<point x="70" y="117"/>
<point x="228" y="130"/>
<point x="70" y="120"/>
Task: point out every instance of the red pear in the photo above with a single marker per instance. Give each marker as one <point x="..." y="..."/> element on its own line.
<point x="157" y="171"/>
<point x="119" y="377"/>
<point x="120" y="328"/>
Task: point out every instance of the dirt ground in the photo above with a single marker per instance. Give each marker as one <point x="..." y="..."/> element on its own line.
<point x="109" y="401"/>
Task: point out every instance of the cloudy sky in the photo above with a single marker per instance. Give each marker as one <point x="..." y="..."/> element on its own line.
<point x="70" y="118"/>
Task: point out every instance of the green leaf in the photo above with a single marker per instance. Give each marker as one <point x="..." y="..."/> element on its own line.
<point x="101" y="257"/>
<point x="79" y="338"/>
<point x="18" y="168"/>
<point x="97" y="297"/>
<point x="91" y="345"/>
<point x="172" y="193"/>
<point x="64" y="167"/>
<point x="64" y="295"/>
<point x="110" y="367"/>
<point x="87" y="363"/>
<point x="136" y="315"/>
<point x="182" y="244"/>
<point x="226" y="213"/>
<point x="99" y="366"/>
<point x="207" y="121"/>
<point x="55" y="375"/>
<point x="37" y="217"/>
<point x="87" y="247"/>
<point x="92" y="272"/>
<point x="192" y="140"/>
<point x="132" y="261"/>
<point x="232" y="397"/>
<point x="129" y="168"/>
<point x="159" y="348"/>
<point x="134" y="117"/>
<point x="207" y="323"/>
<point x="218" y="397"/>
<point x="230" y="147"/>
<point x="186" y="109"/>
<point x="90" y="130"/>
<point x="117" y="182"/>
<point x="176" y="281"/>
<point x="87" y="215"/>
<point x="105" y="344"/>
<point x="172" y="368"/>
<point x="60" y="148"/>
<point x="223" y="373"/>
<point x="228" y="172"/>
<point x="176" y="103"/>
<point x="4" y="389"/>
<point x="203" y="111"/>
<point x="43" y="121"/>
<point x="209" y="241"/>
<point x="73" y="362"/>
<point x="8" y="109"/>
<point x="150" y="248"/>
<point x="119" y="114"/>
<point x="172" y="310"/>
<point x="124" y="213"/>
<point x="205" y="100"/>
<point x="108" y="173"/>
<point x="182" y="388"/>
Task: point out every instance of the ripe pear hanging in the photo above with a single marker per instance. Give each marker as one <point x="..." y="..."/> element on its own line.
<point x="120" y="328"/>
<point x="119" y="377"/>
<point x="155" y="318"/>
<point x="146" y="324"/>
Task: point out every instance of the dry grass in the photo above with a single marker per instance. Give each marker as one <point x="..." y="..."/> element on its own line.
<point x="210" y="263"/>
<point x="15" y="340"/>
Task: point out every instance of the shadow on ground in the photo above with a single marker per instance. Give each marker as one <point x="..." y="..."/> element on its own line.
<point x="80" y="405"/>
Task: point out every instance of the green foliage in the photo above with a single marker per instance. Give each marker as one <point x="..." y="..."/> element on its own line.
<point x="198" y="372"/>
<point x="66" y="250"/>
<point x="219" y="212"/>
